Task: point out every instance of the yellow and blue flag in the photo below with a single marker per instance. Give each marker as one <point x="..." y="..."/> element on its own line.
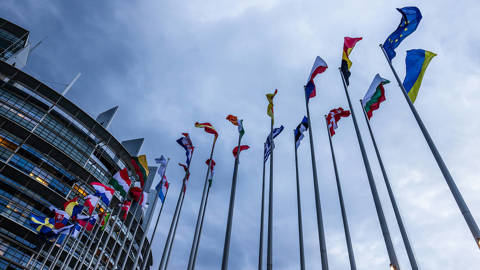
<point x="42" y="225"/>
<point x="417" y="62"/>
<point x="411" y="17"/>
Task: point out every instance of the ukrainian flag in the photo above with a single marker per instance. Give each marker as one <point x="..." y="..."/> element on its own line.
<point x="41" y="224"/>
<point x="416" y="63"/>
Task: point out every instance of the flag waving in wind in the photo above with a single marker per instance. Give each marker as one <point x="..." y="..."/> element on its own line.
<point x="319" y="66"/>
<point x="121" y="182"/>
<point x="375" y="95"/>
<point x="302" y="127"/>
<point x="103" y="191"/>
<point x="348" y="45"/>
<point x="334" y="116"/>
<point x="162" y="162"/>
<point x="417" y="62"/>
<point x="186" y="143"/>
<point x="72" y="207"/>
<point x="208" y="128"/>
<point x="141" y="168"/>
<point x="91" y="202"/>
<point x="239" y="123"/>
<point x="411" y="17"/>
<point x="270" y="103"/>
<point x="162" y="188"/>
<point x="236" y="151"/>
<point x="269" y="145"/>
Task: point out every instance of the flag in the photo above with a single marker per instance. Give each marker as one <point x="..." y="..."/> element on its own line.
<point x="212" y="170"/>
<point x="242" y="147"/>
<point x="103" y="191"/>
<point x="162" y="188"/>
<point x="136" y="193"/>
<point x="42" y="225"/>
<point x="63" y="231"/>
<point x="319" y="66"/>
<point x="417" y="62"/>
<point x="141" y="168"/>
<point x="411" y="17"/>
<point x="75" y="231"/>
<point x="208" y="128"/>
<point x="186" y="143"/>
<point x="60" y="217"/>
<point x="302" y="127"/>
<point x="334" y="116"/>
<point x="87" y="221"/>
<point x="270" y="103"/>
<point x="269" y="145"/>
<point x="239" y="123"/>
<point x="125" y="206"/>
<point x="162" y="162"/>
<point x="348" y="45"/>
<point x="375" y="95"/>
<point x="121" y="182"/>
<point x="91" y="202"/>
<point x="105" y="219"/>
<point x="73" y="208"/>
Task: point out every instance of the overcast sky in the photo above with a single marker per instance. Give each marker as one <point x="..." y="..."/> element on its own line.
<point x="170" y="63"/>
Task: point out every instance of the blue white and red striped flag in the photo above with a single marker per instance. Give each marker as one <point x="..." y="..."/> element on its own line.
<point x="186" y="143"/>
<point x="103" y="191"/>
<point x="319" y="66"/>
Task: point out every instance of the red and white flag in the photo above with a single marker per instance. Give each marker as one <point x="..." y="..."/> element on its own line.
<point x="125" y="208"/>
<point x="91" y="202"/>
<point x="334" y="116"/>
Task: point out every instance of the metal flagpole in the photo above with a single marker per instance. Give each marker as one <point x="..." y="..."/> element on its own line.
<point x="321" y="231"/>
<point x="201" y="223"/>
<point x="174" y="233"/>
<point x="260" y="246"/>
<point x="59" y="252"/>
<point x="85" y="249"/>
<point x="117" y="258"/>
<point x="351" y="256"/>
<point x="228" y="232"/>
<point x="299" y="209"/>
<point x="408" y="247"/>
<point x="130" y="244"/>
<point x="49" y="253"/>
<point x="378" y="206"/>
<point x="270" y="204"/>
<point x="472" y="225"/>
<point x="35" y="258"/>
<point x="144" y="236"/>
<point x="144" y="263"/>
<point x="196" y="235"/>
<point x="170" y="232"/>
<point x="109" y="235"/>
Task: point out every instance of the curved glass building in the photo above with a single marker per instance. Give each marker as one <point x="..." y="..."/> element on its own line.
<point x="50" y="150"/>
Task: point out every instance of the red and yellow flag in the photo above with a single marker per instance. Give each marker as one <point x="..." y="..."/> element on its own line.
<point x="270" y="103"/>
<point x="208" y="128"/>
<point x="236" y="151"/>
<point x="233" y="119"/>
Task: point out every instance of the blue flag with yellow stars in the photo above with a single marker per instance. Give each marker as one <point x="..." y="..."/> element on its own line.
<point x="411" y="17"/>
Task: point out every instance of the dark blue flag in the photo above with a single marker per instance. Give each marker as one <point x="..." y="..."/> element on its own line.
<point x="186" y="143"/>
<point x="269" y="145"/>
<point x="302" y="127"/>
<point x="411" y="17"/>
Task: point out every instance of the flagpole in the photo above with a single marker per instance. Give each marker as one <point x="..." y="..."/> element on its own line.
<point x="109" y="235"/>
<point x="173" y="226"/>
<point x="299" y="209"/>
<point x="403" y="231"/>
<point x="49" y="253"/>
<point x="196" y="236"/>
<point x="462" y="205"/>
<point x="260" y="246"/>
<point x="117" y="258"/>
<point x="59" y="252"/>
<point x="124" y="262"/>
<point x="144" y="236"/>
<point x="228" y="232"/>
<point x="201" y="224"/>
<point x="376" y="199"/>
<point x="85" y="249"/>
<point x="32" y="260"/>
<point x="321" y="231"/>
<point x="270" y="204"/>
<point x="144" y="263"/>
<point x="351" y="255"/>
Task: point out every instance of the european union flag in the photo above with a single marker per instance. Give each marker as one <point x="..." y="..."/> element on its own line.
<point x="411" y="17"/>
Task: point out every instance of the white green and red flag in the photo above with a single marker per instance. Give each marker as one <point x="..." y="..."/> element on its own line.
<point x="375" y="95"/>
<point x="121" y="182"/>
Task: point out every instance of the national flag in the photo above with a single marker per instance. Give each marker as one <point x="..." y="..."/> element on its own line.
<point x="242" y="147"/>
<point x="91" y="202"/>
<point x="161" y="188"/>
<point x="239" y="123"/>
<point x="417" y="62"/>
<point x="319" y="66"/>
<point x="60" y="217"/>
<point x="269" y="145"/>
<point x="103" y="191"/>
<point x="375" y="95"/>
<point x="121" y="182"/>
<point x="63" y="231"/>
<point x="105" y="219"/>
<point x="75" y="231"/>
<point x="411" y="17"/>
<point x="42" y="225"/>
<point x="125" y="206"/>
<point x="73" y="208"/>
<point x="334" y="116"/>
<point x="141" y="168"/>
<point x="136" y="193"/>
<point x="87" y="221"/>
<point x="162" y="162"/>
<point x="208" y="128"/>
<point x="348" y="45"/>
<point x="211" y="163"/>
<point x="302" y="127"/>
<point x="270" y="103"/>
<point x="186" y="143"/>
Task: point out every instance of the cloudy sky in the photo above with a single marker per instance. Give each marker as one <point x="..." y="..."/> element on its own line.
<point x="170" y="63"/>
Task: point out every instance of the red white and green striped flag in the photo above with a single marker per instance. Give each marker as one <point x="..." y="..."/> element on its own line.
<point x="121" y="182"/>
<point x="375" y="95"/>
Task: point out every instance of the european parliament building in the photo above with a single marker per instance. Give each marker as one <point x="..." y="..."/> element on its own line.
<point x="50" y="150"/>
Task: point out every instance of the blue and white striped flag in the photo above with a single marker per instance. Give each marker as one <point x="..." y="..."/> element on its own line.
<point x="269" y="145"/>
